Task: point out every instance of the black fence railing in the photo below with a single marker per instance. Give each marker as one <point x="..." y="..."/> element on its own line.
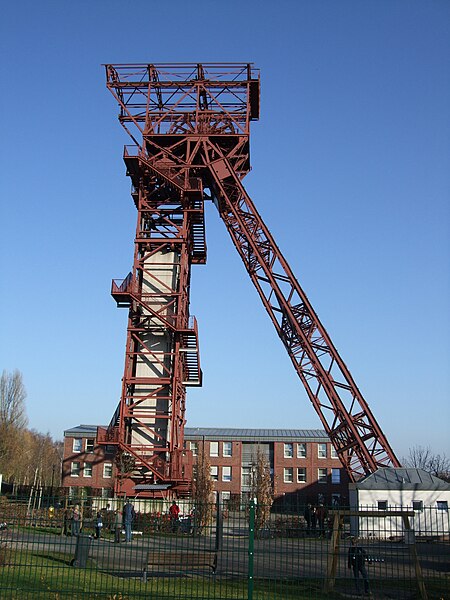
<point x="61" y="549"/>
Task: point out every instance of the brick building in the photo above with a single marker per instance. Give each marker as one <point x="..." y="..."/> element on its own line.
<point x="303" y="463"/>
<point x="86" y="464"/>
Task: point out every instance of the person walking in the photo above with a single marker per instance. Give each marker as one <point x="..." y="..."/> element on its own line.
<point x="356" y="561"/>
<point x="128" y="515"/>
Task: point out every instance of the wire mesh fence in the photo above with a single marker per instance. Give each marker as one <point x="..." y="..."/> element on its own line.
<point x="61" y="549"/>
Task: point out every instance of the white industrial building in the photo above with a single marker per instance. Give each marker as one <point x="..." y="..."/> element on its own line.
<point x="392" y="489"/>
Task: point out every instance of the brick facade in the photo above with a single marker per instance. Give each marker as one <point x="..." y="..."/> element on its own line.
<point x="86" y="464"/>
<point x="302" y="469"/>
<point x="303" y="464"/>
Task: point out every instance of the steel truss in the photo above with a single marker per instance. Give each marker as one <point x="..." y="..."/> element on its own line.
<point x="191" y="127"/>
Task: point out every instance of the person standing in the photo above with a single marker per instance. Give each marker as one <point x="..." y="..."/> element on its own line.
<point x="356" y="561"/>
<point x="174" y="512"/>
<point x="308" y="517"/>
<point x="117" y="526"/>
<point x="128" y="515"/>
<point x="76" y="520"/>
<point x="98" y="525"/>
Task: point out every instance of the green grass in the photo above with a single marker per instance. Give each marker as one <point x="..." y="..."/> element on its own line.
<point x="49" y="576"/>
<point x="36" y="575"/>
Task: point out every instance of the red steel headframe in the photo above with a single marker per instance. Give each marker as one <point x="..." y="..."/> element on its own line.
<point x="191" y="127"/>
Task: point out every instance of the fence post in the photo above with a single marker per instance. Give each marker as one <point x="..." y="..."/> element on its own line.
<point x="251" y="547"/>
<point x="411" y="542"/>
<point x="219" y="522"/>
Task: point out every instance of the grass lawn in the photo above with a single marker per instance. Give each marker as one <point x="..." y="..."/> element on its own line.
<point x="31" y="575"/>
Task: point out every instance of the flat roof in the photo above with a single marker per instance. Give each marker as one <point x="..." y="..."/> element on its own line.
<point x="255" y="435"/>
<point x="227" y="434"/>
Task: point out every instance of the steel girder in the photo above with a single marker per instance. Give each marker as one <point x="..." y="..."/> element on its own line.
<point x="191" y="125"/>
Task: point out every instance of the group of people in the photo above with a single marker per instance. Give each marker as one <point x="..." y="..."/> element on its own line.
<point x="316" y="518"/>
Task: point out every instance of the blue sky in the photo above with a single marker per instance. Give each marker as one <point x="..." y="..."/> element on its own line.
<point x="350" y="172"/>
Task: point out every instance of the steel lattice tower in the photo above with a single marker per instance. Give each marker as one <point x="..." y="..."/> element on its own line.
<point x="190" y="126"/>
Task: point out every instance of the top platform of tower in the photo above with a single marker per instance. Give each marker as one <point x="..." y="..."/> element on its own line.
<point x="178" y="98"/>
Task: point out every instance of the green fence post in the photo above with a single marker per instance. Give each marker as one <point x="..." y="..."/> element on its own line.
<point x="251" y="546"/>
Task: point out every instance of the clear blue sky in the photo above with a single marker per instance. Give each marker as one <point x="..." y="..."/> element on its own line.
<point x="350" y="172"/>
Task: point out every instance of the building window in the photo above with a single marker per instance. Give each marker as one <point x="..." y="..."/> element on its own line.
<point x="333" y="452"/>
<point x="226" y="496"/>
<point x="335" y="476"/>
<point x="322" y="450"/>
<point x="301" y="475"/>
<point x="90" y="445"/>
<point x="321" y="475"/>
<point x="75" y="469"/>
<point x="214" y="448"/>
<point x="107" y="470"/>
<point x="194" y="448"/>
<point x="417" y="505"/>
<point x="106" y="493"/>
<point x="226" y="473"/>
<point x="288" y="450"/>
<point x="227" y="449"/>
<point x="288" y="475"/>
<point x="382" y="504"/>
<point x="442" y="505"/>
<point x="214" y="473"/>
<point x="77" y="444"/>
<point x="87" y="470"/>
<point x="301" y="450"/>
<point x="246" y="476"/>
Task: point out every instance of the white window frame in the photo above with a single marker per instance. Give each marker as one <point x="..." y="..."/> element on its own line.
<point x="288" y="450"/>
<point x="90" y="445"/>
<point x="304" y="475"/>
<point x="246" y="475"/>
<point x="302" y="450"/>
<point x="214" y="472"/>
<point x="333" y="453"/>
<point x="214" y="449"/>
<point x="321" y="450"/>
<point x="77" y="445"/>
<point x="288" y="475"/>
<point x="106" y="492"/>
<point x="226" y="473"/>
<point x="335" y="476"/>
<point x="194" y="448"/>
<point x="89" y="468"/>
<point x="107" y="466"/>
<point x="322" y="475"/>
<point x="227" y="449"/>
<point x="75" y="471"/>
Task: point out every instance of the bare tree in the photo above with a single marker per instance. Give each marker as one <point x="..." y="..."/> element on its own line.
<point x="421" y="457"/>
<point x="202" y="488"/>
<point x="12" y="400"/>
<point x="125" y="465"/>
<point x="262" y="489"/>
<point x="13" y="419"/>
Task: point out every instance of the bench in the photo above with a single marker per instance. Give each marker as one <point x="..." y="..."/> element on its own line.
<point x="179" y="561"/>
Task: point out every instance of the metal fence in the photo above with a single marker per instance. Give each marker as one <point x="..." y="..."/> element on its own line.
<point x="217" y="553"/>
